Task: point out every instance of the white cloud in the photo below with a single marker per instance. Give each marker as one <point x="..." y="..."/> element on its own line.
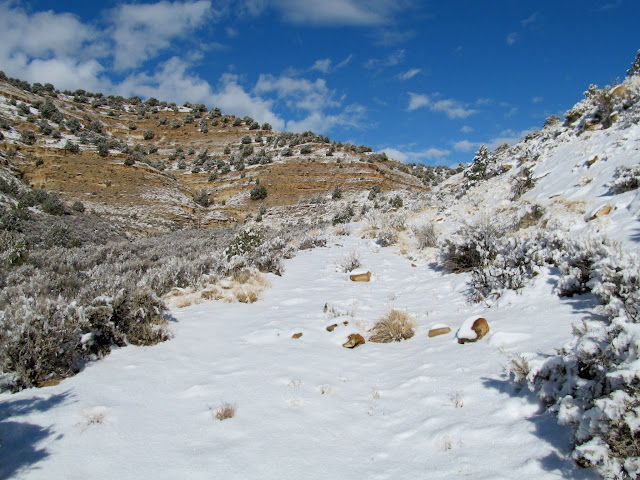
<point x="534" y="17"/>
<point x="417" y="100"/>
<point x="337" y="12"/>
<point x="321" y="122"/>
<point x="466" y="146"/>
<point x="344" y="62"/>
<point x="174" y="82"/>
<point x="537" y="99"/>
<point x="416" y="156"/>
<point x="50" y="47"/>
<point x="510" y="137"/>
<point x="511" y="112"/>
<point x="298" y="93"/>
<point x="484" y="101"/>
<point x="390" y="38"/>
<point x="409" y="74"/>
<point x="392" y="60"/>
<point x="142" y="30"/>
<point x="451" y="108"/>
<point x="512" y="38"/>
<point x="323" y="65"/>
<point x="466" y="129"/>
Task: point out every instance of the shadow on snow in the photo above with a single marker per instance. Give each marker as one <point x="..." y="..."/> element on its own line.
<point x="19" y="440"/>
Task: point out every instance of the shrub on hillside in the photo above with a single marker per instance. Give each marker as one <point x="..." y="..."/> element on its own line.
<point x="625" y="179"/>
<point x="258" y="192"/>
<point x="472" y="246"/>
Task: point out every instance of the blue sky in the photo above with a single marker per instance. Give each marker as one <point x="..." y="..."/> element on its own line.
<point x="424" y="81"/>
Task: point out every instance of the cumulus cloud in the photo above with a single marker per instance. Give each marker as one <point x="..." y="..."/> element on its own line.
<point x="322" y="108"/>
<point x="416" y="156"/>
<point x="51" y="47"/>
<point x="466" y="146"/>
<point x="451" y="108"/>
<point x="142" y="30"/>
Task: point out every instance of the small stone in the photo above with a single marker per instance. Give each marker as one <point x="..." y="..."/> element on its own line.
<point x="346" y="322"/>
<point x="355" y="340"/>
<point x="434" y="332"/>
<point x="296" y="335"/>
<point x="330" y="328"/>
<point x="591" y="161"/>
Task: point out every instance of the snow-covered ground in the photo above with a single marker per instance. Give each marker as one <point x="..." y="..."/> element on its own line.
<point x="307" y="407"/>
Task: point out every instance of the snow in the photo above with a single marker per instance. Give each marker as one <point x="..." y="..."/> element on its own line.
<point x="306" y="407"/>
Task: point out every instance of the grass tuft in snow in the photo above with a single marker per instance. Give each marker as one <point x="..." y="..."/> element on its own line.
<point x="224" y="411"/>
<point x="395" y="326"/>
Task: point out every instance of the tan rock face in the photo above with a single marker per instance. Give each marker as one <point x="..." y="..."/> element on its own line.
<point x="360" y="277"/>
<point x="434" y="332"/>
<point x="481" y="327"/>
<point x="355" y="340"/>
<point x="296" y="335"/>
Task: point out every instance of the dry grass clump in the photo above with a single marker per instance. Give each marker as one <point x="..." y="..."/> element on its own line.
<point x="395" y="326"/>
<point x="224" y="411"/>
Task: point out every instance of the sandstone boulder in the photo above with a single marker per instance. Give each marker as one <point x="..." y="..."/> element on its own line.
<point x="360" y="275"/>
<point x="296" y="335"/>
<point x="473" y="330"/>
<point x="330" y="328"/>
<point x="355" y="340"/>
<point x="601" y="212"/>
<point x="619" y="91"/>
<point x="438" y="330"/>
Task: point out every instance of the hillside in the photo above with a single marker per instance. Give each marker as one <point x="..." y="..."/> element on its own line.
<point x="249" y="377"/>
<point x="125" y="158"/>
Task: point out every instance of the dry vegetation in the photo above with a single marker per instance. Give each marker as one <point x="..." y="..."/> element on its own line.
<point x="394" y="326"/>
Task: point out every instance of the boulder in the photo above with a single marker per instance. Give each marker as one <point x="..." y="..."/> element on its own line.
<point x="619" y="91"/>
<point x="330" y="328"/>
<point x="296" y="335"/>
<point x="439" y="330"/>
<point x="601" y="212"/>
<point x="360" y="275"/>
<point x="354" y="340"/>
<point x="591" y="161"/>
<point x="474" y="332"/>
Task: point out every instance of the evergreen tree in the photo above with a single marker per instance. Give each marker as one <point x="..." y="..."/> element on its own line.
<point x="478" y="169"/>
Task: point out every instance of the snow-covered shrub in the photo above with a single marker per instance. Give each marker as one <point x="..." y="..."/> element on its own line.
<point x="386" y="237"/>
<point x="425" y="235"/>
<point x="14" y="248"/>
<point x="510" y="269"/>
<point x="40" y="338"/>
<point x="523" y="183"/>
<point x="625" y="179"/>
<point x="593" y="383"/>
<point x="576" y="260"/>
<point x="309" y="241"/>
<point x="244" y="242"/>
<point x="350" y="261"/>
<point x="394" y="326"/>
<point x="343" y="216"/>
<point x="471" y="246"/>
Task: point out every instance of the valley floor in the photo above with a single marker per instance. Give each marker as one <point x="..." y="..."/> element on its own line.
<point x="308" y="408"/>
